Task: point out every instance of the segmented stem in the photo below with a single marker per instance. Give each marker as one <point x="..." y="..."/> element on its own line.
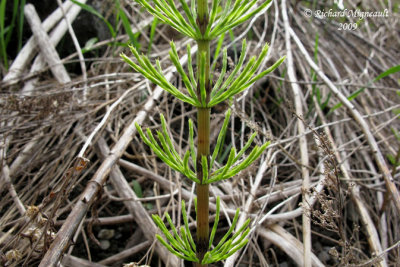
<point x="202" y="190"/>
<point x="203" y="126"/>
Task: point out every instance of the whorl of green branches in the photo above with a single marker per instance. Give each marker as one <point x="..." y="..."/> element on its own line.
<point x="165" y="150"/>
<point x="218" y="23"/>
<point x="184" y="247"/>
<point x="238" y="80"/>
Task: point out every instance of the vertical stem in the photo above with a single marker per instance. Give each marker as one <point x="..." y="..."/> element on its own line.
<point x="202" y="190"/>
<point x="202" y="14"/>
<point x="204" y="47"/>
<point x="202" y="222"/>
<point x="203" y="140"/>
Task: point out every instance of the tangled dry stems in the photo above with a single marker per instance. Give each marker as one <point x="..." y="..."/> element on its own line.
<point x="43" y="132"/>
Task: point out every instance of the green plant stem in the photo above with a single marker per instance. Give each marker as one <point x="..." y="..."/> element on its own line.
<point x="204" y="47"/>
<point x="203" y="140"/>
<point x="202" y="15"/>
<point x="202" y="190"/>
<point x="202" y="222"/>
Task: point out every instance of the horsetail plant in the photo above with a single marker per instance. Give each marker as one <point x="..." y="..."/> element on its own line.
<point x="198" y="164"/>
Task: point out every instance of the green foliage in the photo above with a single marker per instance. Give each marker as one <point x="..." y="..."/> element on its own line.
<point x="315" y="89"/>
<point x="120" y="16"/>
<point x="239" y="80"/>
<point x="231" y="16"/>
<point x="167" y="12"/>
<point x="7" y="31"/>
<point x="3" y="45"/>
<point x="393" y="160"/>
<point x="127" y="26"/>
<point x="225" y="248"/>
<point x="217" y="50"/>
<point x="183" y="245"/>
<point x="152" y="33"/>
<point x="137" y="188"/>
<point x="180" y="245"/>
<point x="219" y="22"/>
<point x="21" y="23"/>
<point x="388" y="72"/>
<point x="156" y="74"/>
<point x="237" y="83"/>
<point x="165" y="150"/>
<point x="97" y="14"/>
<point x="201" y="93"/>
<point x="89" y="44"/>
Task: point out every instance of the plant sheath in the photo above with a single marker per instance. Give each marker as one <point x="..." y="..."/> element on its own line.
<point x="203" y="126"/>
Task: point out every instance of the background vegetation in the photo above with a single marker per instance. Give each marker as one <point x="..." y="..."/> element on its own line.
<point x="320" y="194"/>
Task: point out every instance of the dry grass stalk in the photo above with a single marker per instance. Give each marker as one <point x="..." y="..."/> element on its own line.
<point x="39" y="144"/>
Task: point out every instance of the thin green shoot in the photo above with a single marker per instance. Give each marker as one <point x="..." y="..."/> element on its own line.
<point x="127" y="27"/>
<point x="152" y="34"/>
<point x="11" y="26"/>
<point x="21" y="23"/>
<point x="89" y="45"/>
<point x="217" y="51"/>
<point x="3" y="45"/>
<point x="234" y="48"/>
<point x="137" y="188"/>
<point x="384" y="74"/>
<point x="93" y="11"/>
